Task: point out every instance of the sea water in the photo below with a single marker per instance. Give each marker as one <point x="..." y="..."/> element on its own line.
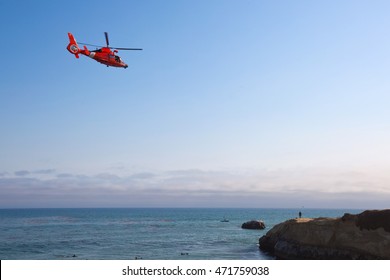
<point x="130" y="233"/>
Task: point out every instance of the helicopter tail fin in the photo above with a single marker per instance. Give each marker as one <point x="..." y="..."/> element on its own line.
<point x="72" y="47"/>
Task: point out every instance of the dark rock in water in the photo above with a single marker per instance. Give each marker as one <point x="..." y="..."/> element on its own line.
<point x="253" y="225"/>
<point x="362" y="236"/>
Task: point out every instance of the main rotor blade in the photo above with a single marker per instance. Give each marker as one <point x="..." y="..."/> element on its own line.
<point x="81" y="43"/>
<point x="106" y="35"/>
<point x="97" y="46"/>
<point x="126" y="49"/>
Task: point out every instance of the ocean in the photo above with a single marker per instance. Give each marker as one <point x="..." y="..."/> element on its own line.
<point x="135" y="233"/>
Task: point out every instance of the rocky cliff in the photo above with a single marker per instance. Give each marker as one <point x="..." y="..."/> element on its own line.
<point x="362" y="236"/>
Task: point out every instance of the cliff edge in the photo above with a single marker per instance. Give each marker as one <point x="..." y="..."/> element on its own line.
<point x="362" y="236"/>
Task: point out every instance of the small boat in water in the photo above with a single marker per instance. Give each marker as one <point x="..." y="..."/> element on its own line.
<point x="224" y="220"/>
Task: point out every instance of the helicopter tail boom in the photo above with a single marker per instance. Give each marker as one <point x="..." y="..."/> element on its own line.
<point x="72" y="47"/>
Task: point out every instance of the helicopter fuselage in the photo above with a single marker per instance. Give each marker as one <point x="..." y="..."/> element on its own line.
<point x="105" y="56"/>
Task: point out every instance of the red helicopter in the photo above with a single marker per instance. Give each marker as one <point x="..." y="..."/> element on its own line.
<point x="103" y="55"/>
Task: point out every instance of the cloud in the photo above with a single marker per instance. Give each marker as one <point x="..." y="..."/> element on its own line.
<point x="198" y="188"/>
<point x="143" y="175"/>
<point x="21" y="173"/>
<point x="45" y="171"/>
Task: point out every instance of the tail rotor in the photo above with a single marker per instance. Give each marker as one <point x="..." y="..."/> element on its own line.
<point x="73" y="47"/>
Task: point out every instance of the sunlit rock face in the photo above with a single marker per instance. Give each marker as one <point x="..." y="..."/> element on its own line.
<point x="362" y="236"/>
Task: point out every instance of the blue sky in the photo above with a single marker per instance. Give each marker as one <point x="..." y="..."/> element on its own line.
<point x="230" y="104"/>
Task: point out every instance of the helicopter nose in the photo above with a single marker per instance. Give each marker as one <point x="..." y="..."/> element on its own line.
<point x="125" y="66"/>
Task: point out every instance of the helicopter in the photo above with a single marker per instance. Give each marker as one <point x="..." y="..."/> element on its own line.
<point x="106" y="55"/>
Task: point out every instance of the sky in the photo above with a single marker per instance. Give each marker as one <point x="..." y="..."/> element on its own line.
<point x="233" y="103"/>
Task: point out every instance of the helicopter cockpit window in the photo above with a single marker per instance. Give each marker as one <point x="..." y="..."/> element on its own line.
<point x="117" y="58"/>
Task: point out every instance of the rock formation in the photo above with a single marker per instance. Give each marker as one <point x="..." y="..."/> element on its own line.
<point x="362" y="236"/>
<point x="253" y="225"/>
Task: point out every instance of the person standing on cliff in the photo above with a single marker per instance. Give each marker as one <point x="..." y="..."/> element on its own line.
<point x="300" y="214"/>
